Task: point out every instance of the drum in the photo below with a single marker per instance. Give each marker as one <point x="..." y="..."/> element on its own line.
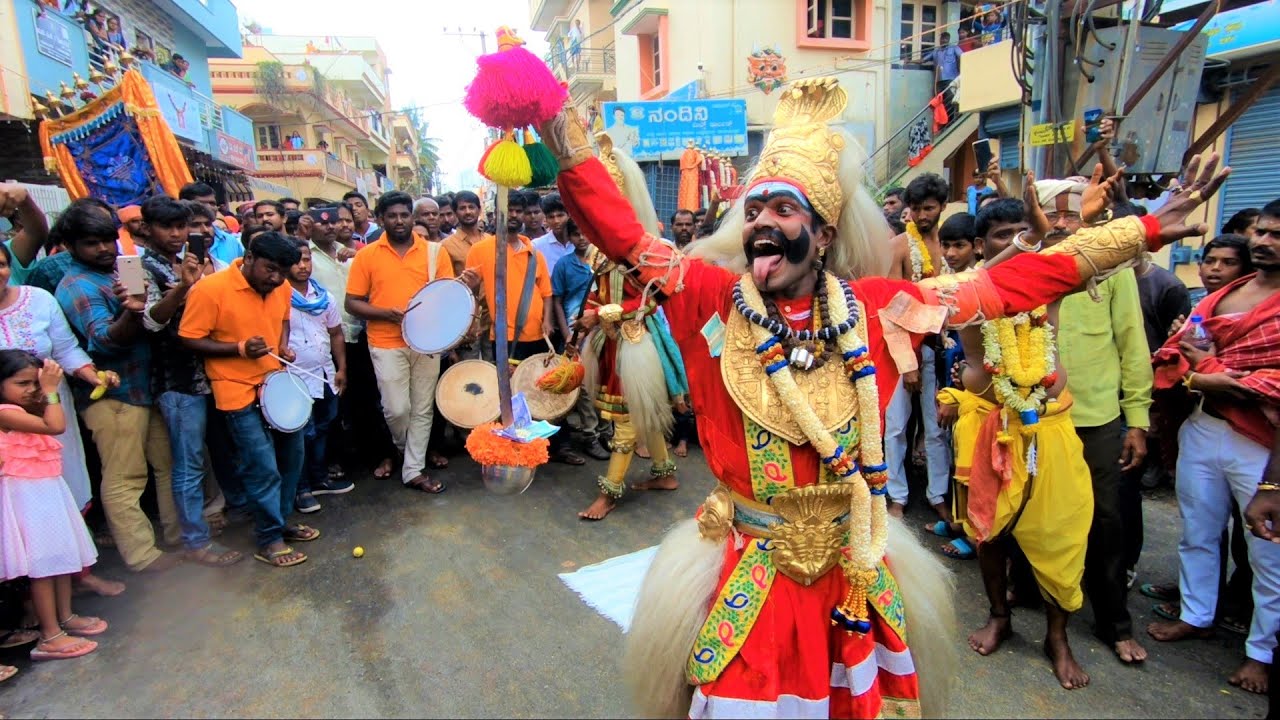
<point x="467" y="394"/>
<point x="285" y="402"/>
<point x="438" y="317"/>
<point x="543" y="405"/>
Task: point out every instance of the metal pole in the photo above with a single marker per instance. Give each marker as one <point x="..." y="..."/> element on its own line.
<point x="500" y="306"/>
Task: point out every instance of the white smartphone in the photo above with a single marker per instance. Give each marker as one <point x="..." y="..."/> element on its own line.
<point x="129" y="272"/>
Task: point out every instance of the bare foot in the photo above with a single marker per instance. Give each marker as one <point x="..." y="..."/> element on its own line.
<point x="1065" y="667"/>
<point x="1175" y="630"/>
<point x="897" y="509"/>
<point x="944" y="512"/>
<point x="682" y="449"/>
<point x="987" y="639"/>
<point x="383" y="470"/>
<point x="1251" y="676"/>
<point x="666" y="482"/>
<point x="1130" y="652"/>
<point x="99" y="586"/>
<point x="602" y="506"/>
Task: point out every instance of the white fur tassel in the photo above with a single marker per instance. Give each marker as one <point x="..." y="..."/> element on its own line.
<point x="928" y="594"/>
<point x="674" y="602"/>
<point x="644" y="387"/>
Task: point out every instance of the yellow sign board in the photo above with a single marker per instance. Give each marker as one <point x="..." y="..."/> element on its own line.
<point x="1050" y="134"/>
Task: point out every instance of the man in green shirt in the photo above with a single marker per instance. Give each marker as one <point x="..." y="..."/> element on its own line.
<point x="1103" y="348"/>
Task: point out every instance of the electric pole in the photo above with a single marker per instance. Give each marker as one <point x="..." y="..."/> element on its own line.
<point x="484" y="44"/>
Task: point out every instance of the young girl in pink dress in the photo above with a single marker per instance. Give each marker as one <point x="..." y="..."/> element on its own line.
<point x="42" y="535"/>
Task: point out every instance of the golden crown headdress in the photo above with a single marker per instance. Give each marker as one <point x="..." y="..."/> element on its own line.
<point x="802" y="150"/>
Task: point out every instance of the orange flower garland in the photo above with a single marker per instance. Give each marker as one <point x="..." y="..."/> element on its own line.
<point x="488" y="448"/>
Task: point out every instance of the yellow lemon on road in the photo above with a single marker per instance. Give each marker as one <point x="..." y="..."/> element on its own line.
<point x="358" y="552"/>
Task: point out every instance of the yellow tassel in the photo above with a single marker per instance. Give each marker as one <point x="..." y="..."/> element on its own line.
<point x="507" y="164"/>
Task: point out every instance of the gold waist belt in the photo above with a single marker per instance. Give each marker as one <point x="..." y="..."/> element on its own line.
<point x="806" y="526"/>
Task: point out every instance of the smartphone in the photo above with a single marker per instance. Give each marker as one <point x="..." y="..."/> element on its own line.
<point x="195" y="245"/>
<point x="129" y="272"/>
<point x="1093" y="125"/>
<point x="983" y="153"/>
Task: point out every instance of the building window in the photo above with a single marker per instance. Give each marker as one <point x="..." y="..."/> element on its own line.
<point x="268" y="137"/>
<point x="830" y="19"/>
<point x="835" y="24"/>
<point x="655" y="52"/>
<point x="916" y="31"/>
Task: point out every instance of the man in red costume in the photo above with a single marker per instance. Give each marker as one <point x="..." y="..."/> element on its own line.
<point x="742" y="612"/>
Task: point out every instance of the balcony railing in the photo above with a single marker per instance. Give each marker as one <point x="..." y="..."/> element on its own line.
<point x="311" y="163"/>
<point x="588" y="64"/>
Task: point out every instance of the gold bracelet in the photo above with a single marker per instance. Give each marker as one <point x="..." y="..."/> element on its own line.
<point x="1268" y="486"/>
<point x="53" y="398"/>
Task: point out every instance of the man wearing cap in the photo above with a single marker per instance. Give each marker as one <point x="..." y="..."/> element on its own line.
<point x="1104" y="350"/>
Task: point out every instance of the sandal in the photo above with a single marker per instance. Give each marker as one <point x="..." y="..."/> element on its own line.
<point x="85" y="626"/>
<point x="436" y="461"/>
<point x="1168" y="611"/>
<point x="1232" y="625"/>
<point x="569" y="457"/>
<point x="941" y="528"/>
<point x="78" y="649"/>
<point x="300" y="533"/>
<point x="427" y="485"/>
<point x="7" y="671"/>
<point x="17" y="638"/>
<point x="276" y="559"/>
<point x="1163" y="593"/>
<point x="381" y="473"/>
<point x="959" y="549"/>
<point x="217" y="523"/>
<point x="214" y="555"/>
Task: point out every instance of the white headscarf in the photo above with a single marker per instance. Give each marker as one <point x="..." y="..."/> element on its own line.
<point x="1047" y="192"/>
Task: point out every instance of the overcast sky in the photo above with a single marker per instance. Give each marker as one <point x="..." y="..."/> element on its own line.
<point x="428" y="67"/>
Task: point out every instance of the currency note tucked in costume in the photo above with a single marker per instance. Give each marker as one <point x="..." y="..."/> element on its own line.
<point x="792" y="593"/>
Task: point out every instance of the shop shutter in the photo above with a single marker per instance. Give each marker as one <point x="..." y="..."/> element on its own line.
<point x="1253" y="152"/>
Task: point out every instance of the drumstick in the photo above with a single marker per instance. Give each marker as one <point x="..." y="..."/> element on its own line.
<point x="303" y="370"/>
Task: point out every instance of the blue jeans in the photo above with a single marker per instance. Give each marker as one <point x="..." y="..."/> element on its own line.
<point x="185" y="417"/>
<point x="270" y="463"/>
<point x="225" y="461"/>
<point x="316" y="435"/>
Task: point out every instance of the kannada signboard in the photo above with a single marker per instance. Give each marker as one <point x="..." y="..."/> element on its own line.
<point x="235" y="152"/>
<point x="659" y="129"/>
<point x="1247" y="31"/>
<point x="1050" y="134"/>
<point x="53" y="39"/>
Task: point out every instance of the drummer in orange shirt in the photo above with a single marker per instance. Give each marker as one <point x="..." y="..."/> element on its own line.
<point x="384" y="277"/>
<point x="529" y="303"/>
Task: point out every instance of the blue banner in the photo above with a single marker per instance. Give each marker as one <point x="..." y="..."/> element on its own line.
<point x="1244" y="32"/>
<point x="113" y="160"/>
<point x="659" y="129"/>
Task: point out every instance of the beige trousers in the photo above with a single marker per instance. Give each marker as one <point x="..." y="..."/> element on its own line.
<point x="407" y="383"/>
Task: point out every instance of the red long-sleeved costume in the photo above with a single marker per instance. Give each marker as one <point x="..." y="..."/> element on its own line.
<point x="793" y="657"/>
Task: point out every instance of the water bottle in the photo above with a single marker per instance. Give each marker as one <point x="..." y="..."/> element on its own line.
<point x="1197" y="335"/>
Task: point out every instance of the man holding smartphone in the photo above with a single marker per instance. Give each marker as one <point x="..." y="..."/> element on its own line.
<point x="127" y="429"/>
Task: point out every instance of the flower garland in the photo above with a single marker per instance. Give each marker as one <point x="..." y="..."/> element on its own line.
<point x="1020" y="354"/>
<point x="486" y="447"/>
<point x="868" y="514"/>
<point x="921" y="259"/>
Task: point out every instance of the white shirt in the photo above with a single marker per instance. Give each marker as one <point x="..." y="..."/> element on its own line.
<point x="309" y="340"/>
<point x="551" y="249"/>
<point x="332" y="274"/>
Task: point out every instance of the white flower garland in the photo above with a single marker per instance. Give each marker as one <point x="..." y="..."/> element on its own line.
<point x="868" y="514"/>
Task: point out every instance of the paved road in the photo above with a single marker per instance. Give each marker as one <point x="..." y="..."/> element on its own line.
<point x="456" y="610"/>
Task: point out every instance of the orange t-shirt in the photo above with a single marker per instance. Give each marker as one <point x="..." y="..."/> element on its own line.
<point x="483" y="258"/>
<point x="390" y="280"/>
<point x="223" y="307"/>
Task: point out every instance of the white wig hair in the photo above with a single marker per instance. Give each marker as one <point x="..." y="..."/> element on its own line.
<point x="636" y="191"/>
<point x="862" y="247"/>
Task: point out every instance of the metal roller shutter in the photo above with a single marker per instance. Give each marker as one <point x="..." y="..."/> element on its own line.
<point x="1004" y="124"/>
<point x="1253" y="153"/>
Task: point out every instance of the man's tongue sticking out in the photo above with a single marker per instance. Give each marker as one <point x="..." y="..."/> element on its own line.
<point x="762" y="266"/>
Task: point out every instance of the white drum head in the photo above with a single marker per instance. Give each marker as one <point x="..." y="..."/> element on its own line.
<point x="438" y="317"/>
<point x="285" y="402"/>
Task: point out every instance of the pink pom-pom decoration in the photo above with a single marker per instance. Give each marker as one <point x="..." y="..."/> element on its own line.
<point x="514" y="88"/>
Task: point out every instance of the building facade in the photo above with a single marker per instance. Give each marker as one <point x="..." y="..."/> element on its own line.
<point x="51" y="42"/>
<point x="321" y="112"/>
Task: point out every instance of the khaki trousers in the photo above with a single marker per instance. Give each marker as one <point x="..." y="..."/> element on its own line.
<point x="128" y="437"/>
<point x="407" y="383"/>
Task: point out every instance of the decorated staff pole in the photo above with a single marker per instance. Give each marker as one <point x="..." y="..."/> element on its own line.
<point x="500" y="307"/>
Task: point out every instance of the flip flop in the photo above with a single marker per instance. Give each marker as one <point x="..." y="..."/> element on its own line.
<point x="1165" y="610"/>
<point x="18" y="638"/>
<point x="7" y="671"/>
<point x="300" y="533"/>
<point x="941" y="528"/>
<point x="428" y="485"/>
<point x="94" y="626"/>
<point x="1233" y="625"/>
<point x="270" y="558"/>
<point x="84" y="647"/>
<point x="1164" y="593"/>
<point x="964" y="549"/>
